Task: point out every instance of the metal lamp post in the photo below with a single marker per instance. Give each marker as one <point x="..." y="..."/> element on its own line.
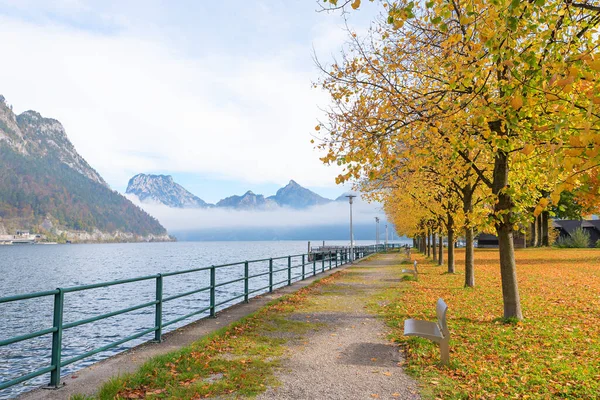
<point x="377" y="232"/>
<point x="386" y="237"/>
<point x="350" y="200"/>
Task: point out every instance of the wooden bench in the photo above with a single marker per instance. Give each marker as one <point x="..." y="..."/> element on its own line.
<point x="434" y="331"/>
<point x="414" y="272"/>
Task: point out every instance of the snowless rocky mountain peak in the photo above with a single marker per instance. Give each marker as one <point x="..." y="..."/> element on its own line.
<point x="31" y="134"/>
<point x="164" y="190"/>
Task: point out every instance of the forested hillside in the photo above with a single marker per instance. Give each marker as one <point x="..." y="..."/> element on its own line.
<point x="33" y="188"/>
<point x="46" y="186"/>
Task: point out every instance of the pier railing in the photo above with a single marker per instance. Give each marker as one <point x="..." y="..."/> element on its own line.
<point x="298" y="267"/>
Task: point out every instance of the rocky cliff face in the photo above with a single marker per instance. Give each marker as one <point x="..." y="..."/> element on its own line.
<point x="47" y="137"/>
<point x="31" y="134"/>
<point x="162" y="189"/>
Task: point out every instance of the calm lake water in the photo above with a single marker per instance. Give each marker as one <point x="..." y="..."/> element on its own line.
<point x="26" y="269"/>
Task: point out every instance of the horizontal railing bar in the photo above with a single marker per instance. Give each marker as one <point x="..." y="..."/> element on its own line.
<point x="229" y="282"/>
<point x="107" y="315"/>
<point x="186" y="271"/>
<point x="176" y="320"/>
<point x="28" y="296"/>
<point x="279" y="270"/>
<point x="259" y="260"/>
<point x="259" y="289"/>
<point x="108" y="346"/>
<point x="230" y="265"/>
<point x="257" y="275"/>
<point x="229" y="300"/>
<point x="105" y="284"/>
<point x="24" y="378"/>
<point x="177" y="296"/>
<point x="43" y="332"/>
<point x="279" y="283"/>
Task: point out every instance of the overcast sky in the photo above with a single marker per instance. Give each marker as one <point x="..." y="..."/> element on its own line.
<point x="216" y="93"/>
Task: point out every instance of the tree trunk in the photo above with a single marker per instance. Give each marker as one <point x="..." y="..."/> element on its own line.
<point x="508" y="272"/>
<point x="469" y="259"/>
<point x="433" y="245"/>
<point x="545" y="239"/>
<point x="533" y="239"/>
<point x="470" y="248"/>
<point x="428" y="243"/>
<point x="450" y="244"/>
<point x="441" y="249"/>
<point x="538" y="230"/>
<point x="504" y="229"/>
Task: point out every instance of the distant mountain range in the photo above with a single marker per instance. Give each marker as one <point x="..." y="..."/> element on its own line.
<point x="161" y="189"/>
<point x="47" y="187"/>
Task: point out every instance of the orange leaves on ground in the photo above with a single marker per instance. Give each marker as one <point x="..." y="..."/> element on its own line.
<point x="554" y="352"/>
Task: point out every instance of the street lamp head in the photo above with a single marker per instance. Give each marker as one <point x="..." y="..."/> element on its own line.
<point x="350" y="197"/>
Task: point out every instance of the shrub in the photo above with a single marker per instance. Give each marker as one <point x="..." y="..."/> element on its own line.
<point x="579" y="239"/>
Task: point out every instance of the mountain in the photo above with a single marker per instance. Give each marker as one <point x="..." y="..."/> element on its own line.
<point x="249" y="201"/>
<point x="162" y="189"/>
<point x="295" y="196"/>
<point x="46" y="186"/>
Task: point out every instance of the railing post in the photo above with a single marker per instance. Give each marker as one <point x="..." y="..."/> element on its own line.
<point x="329" y="259"/>
<point x="314" y="265"/>
<point x="158" y="311"/>
<point x="289" y="270"/>
<point x="246" y="285"/>
<point x="303" y="266"/>
<point x="270" y="274"/>
<point x="323" y="262"/>
<point x="336" y="258"/>
<point x="57" y="322"/>
<point x="213" y="282"/>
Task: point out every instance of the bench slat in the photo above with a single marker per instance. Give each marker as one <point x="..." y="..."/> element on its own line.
<point x="424" y="329"/>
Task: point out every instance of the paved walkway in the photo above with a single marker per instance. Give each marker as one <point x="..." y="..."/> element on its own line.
<point x="350" y="357"/>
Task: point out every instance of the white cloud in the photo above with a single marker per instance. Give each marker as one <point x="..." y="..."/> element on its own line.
<point x="133" y="105"/>
<point x="335" y="213"/>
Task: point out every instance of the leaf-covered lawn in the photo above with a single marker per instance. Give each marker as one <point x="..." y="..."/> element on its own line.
<point x="553" y="353"/>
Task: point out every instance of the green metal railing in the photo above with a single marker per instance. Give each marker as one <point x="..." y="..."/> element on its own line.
<point x="332" y="259"/>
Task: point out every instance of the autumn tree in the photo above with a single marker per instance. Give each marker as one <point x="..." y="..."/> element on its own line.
<point x="509" y="87"/>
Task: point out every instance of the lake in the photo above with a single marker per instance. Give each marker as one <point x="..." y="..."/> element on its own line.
<point x="33" y="268"/>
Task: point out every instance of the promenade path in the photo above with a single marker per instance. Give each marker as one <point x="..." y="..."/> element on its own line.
<point x="349" y="357"/>
<point x="342" y="353"/>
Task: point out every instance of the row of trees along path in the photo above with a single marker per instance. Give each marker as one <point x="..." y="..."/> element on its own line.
<point x="469" y="116"/>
